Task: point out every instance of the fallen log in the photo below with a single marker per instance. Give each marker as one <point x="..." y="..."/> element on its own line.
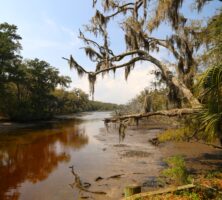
<point x="168" y="113"/>
<point x="162" y="191"/>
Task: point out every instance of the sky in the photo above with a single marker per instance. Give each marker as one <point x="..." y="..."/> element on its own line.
<point x="49" y="31"/>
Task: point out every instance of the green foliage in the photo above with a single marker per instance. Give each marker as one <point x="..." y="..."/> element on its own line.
<point x="212" y="36"/>
<point x="191" y="195"/>
<point x="9" y="43"/>
<point x="210" y="116"/>
<point x="147" y="100"/>
<point x="176" y="171"/>
<point x="214" y="174"/>
<point x="9" y="53"/>
<point x="101" y="106"/>
<point x="209" y="119"/>
<point x="27" y="92"/>
<point x="29" y="87"/>
<point x="70" y="101"/>
<point x="78" y="101"/>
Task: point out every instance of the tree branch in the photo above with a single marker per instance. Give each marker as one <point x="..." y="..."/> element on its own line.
<point x="132" y="61"/>
<point x="114" y="59"/>
<point x="125" y="7"/>
<point x="72" y="60"/>
<point x="168" y="113"/>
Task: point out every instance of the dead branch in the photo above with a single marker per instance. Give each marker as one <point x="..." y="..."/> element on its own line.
<point x="168" y="113"/>
<point x="162" y="191"/>
<point x="78" y="183"/>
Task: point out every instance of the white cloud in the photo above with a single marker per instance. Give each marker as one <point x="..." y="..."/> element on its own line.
<point x="117" y="90"/>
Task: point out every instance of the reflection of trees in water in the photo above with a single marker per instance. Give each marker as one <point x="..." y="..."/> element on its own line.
<point x="33" y="156"/>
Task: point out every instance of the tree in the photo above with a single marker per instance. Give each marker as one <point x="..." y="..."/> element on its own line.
<point x="183" y="44"/>
<point x="10" y="60"/>
<point x="9" y="54"/>
<point x="28" y="90"/>
<point x="9" y="45"/>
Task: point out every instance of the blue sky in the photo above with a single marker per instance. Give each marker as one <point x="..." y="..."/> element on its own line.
<point x="49" y="29"/>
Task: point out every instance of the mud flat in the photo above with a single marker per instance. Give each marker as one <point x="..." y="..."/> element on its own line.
<point x="140" y="162"/>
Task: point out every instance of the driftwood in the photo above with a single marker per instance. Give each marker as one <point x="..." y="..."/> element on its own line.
<point x="168" y="113"/>
<point x="162" y="191"/>
<point x="115" y="176"/>
<point x="81" y="186"/>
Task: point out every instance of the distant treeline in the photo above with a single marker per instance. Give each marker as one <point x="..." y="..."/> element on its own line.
<point x="29" y="88"/>
<point x="78" y="101"/>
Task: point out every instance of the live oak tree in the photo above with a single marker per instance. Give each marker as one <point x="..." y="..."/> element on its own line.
<point x="137" y="26"/>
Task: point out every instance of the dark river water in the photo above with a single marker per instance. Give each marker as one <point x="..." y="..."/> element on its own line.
<point x="35" y="161"/>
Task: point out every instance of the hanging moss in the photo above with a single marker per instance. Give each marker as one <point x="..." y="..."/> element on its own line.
<point x="74" y="65"/>
<point x="92" y="81"/>
<point x="92" y="54"/>
<point x="100" y="19"/>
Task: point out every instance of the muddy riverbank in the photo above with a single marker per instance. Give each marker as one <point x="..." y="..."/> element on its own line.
<point x="34" y="160"/>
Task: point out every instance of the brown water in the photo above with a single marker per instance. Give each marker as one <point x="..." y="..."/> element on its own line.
<point x="34" y="161"/>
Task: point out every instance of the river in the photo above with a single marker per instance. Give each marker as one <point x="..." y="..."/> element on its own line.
<point x="35" y="160"/>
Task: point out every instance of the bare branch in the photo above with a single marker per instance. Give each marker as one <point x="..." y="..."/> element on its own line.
<point x="168" y="113"/>
<point x="87" y="40"/>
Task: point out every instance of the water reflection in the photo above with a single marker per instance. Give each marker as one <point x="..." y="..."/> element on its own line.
<point x="31" y="155"/>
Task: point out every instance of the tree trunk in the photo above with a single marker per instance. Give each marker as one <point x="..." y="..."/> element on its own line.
<point x="186" y="93"/>
<point x="171" y="79"/>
